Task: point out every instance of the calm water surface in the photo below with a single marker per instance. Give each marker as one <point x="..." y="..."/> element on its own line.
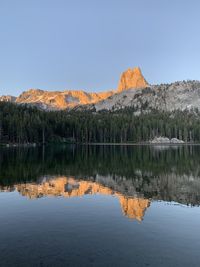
<point x="100" y="206"/>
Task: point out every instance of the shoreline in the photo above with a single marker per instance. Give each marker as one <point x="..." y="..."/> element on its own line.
<point x="101" y="144"/>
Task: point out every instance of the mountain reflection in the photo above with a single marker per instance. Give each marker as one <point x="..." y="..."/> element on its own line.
<point x="132" y="207"/>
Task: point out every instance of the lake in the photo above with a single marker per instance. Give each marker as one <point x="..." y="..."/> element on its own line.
<point x="100" y="206"/>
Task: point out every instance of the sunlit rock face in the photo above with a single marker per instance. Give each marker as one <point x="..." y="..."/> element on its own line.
<point x="133" y="208"/>
<point x="132" y="78"/>
<point x="60" y="99"/>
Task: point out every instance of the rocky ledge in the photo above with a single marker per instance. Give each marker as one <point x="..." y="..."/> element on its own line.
<point x="165" y="140"/>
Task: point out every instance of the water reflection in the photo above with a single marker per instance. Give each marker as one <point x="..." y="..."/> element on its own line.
<point x="133" y="173"/>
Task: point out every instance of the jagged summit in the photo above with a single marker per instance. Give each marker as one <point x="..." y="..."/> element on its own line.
<point x="132" y="78"/>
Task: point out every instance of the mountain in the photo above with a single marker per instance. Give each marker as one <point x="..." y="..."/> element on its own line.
<point x="55" y="100"/>
<point x="133" y="91"/>
<point x="60" y="100"/>
<point x="165" y="97"/>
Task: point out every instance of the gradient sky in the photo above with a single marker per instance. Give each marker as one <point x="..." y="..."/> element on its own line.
<point x="86" y="44"/>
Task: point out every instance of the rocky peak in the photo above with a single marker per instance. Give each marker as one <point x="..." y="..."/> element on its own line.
<point x="132" y="78"/>
<point x="7" y="98"/>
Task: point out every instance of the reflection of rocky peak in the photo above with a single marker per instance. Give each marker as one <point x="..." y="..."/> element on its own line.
<point x="132" y="78"/>
<point x="133" y="208"/>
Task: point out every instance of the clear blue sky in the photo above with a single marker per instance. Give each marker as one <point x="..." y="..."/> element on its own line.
<point x="86" y="44"/>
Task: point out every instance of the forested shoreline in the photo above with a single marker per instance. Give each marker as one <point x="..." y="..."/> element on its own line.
<point x="22" y="124"/>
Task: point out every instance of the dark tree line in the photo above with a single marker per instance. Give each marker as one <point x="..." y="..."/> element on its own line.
<point x="25" y="124"/>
